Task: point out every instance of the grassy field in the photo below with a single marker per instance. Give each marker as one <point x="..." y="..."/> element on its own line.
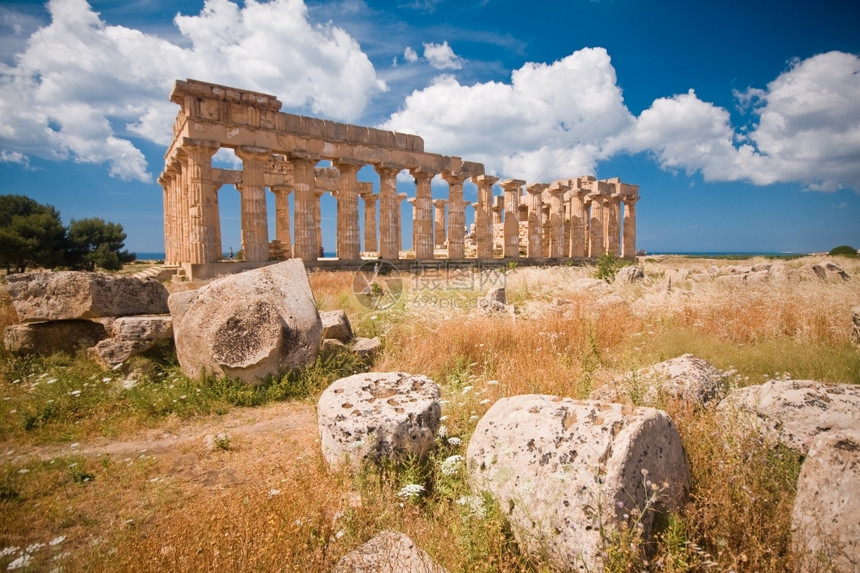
<point x="110" y="470"/>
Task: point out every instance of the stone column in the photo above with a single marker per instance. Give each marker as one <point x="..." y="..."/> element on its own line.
<point x="613" y="224"/>
<point x="349" y="232"/>
<point x="456" y="216"/>
<point x="318" y="193"/>
<point x="556" y="218"/>
<point x="183" y="252"/>
<point x="578" y="243"/>
<point x="440" y="223"/>
<point x="628" y="250"/>
<point x="170" y="181"/>
<point x="369" y="216"/>
<point x="255" y="231"/>
<point x="306" y="246"/>
<point x="498" y="209"/>
<point x="534" y="249"/>
<point x="595" y="246"/>
<point x="513" y="192"/>
<point x="483" y="215"/>
<point x="282" y="218"/>
<point x="399" y="215"/>
<point x="422" y="223"/>
<point x="388" y="211"/>
<point x="203" y="218"/>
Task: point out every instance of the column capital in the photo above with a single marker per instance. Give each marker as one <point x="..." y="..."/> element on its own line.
<point x="421" y="175"/>
<point x="439" y="202"/>
<point x="252" y="153"/>
<point x="347" y="165"/>
<point x="536" y="188"/>
<point x="201" y="145"/>
<point x="630" y="199"/>
<point x="387" y="170"/>
<point x="484" y="179"/>
<point x="512" y="184"/>
<point x="454" y="177"/>
<point x="294" y="156"/>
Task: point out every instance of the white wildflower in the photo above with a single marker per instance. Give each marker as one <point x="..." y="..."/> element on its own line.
<point x="57" y="540"/>
<point x="492" y="382"/>
<point x="106" y="379"/>
<point x="34" y="547"/>
<point x="75" y="393"/>
<point x="485" y="401"/>
<point x="273" y="492"/>
<point x="11" y="550"/>
<point x="475" y="505"/>
<point x="411" y="491"/>
<point x="20" y="563"/>
<point x="443" y="431"/>
<point x="129" y="384"/>
<point x="454" y="442"/>
<point x="466" y="390"/>
<point x="23" y="471"/>
<point x="51" y="381"/>
<point x="451" y="464"/>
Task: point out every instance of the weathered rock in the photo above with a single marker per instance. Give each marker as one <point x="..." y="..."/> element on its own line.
<point x="497" y="294"/>
<point x="248" y="325"/>
<point x="388" y="552"/>
<point x="366" y="347"/>
<point x="738" y="269"/>
<point x="825" y="521"/>
<point x="132" y="335"/>
<point x="564" y="468"/>
<point x="629" y="275"/>
<point x="493" y="301"/>
<point x="761" y="267"/>
<point x="792" y="412"/>
<point x="330" y="346"/>
<point x="758" y="276"/>
<point x="855" y="325"/>
<point x="335" y="324"/>
<point x="66" y="295"/>
<point x="378" y="416"/>
<point x="55" y="336"/>
<point x="686" y="378"/>
<point x="829" y="271"/>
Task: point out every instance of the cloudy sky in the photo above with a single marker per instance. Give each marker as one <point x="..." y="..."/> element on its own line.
<point x="740" y="120"/>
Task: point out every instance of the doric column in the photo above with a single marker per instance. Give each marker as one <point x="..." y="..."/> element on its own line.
<point x="203" y="229"/>
<point x="628" y="250"/>
<point x="513" y="192"/>
<point x="349" y="232"/>
<point x="534" y="249"/>
<point x="388" y="211"/>
<point x="483" y="215"/>
<point x="318" y="193"/>
<point x="306" y="246"/>
<point x="613" y="224"/>
<point x="255" y="231"/>
<point x="440" y="223"/>
<point x="401" y="197"/>
<point x="170" y="181"/>
<point x="595" y="245"/>
<point x="369" y="199"/>
<point x="422" y="223"/>
<point x="556" y="218"/>
<point x="183" y="251"/>
<point x="578" y="243"/>
<point x="282" y="217"/>
<point x="456" y="216"/>
<point x="498" y="209"/>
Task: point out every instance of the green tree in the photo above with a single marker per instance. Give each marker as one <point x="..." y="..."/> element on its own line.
<point x="95" y="243"/>
<point x="31" y="234"/>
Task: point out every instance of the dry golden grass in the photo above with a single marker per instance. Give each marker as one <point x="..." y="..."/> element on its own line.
<point x="268" y="501"/>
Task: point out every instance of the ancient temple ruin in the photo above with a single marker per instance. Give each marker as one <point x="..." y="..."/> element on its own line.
<point x="574" y="218"/>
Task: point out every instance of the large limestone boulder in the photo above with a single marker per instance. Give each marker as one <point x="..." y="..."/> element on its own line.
<point x="66" y="295"/>
<point x="58" y="336"/>
<point x="825" y="521"/>
<point x="629" y="274"/>
<point x="388" y="552"/>
<point x="564" y="469"/>
<point x="378" y="416"/>
<point x="792" y="412"/>
<point x="248" y="325"/>
<point x="686" y="378"/>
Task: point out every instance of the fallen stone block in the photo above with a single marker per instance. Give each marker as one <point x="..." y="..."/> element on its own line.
<point x="56" y="336"/>
<point x="366" y="347"/>
<point x="249" y="325"/>
<point x="378" y="416"/>
<point x="686" y="378"/>
<point x="791" y="412"/>
<point x="388" y="552"/>
<point x="335" y="324"/>
<point x="825" y="521"/>
<point x="66" y="295"/>
<point x="629" y="275"/>
<point x="565" y="470"/>
<point x="132" y="336"/>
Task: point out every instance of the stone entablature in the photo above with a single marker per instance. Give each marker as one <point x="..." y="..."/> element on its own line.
<point x="577" y="218"/>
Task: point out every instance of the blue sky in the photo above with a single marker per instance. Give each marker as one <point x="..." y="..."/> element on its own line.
<point x="740" y="121"/>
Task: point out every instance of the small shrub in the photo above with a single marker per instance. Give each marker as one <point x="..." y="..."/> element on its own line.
<point x="607" y="267"/>
<point x="843" y="251"/>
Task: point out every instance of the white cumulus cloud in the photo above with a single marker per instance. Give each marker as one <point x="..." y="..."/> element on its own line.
<point x="550" y="121"/>
<point x="410" y="55"/>
<point x="84" y="89"/>
<point x="442" y="57"/>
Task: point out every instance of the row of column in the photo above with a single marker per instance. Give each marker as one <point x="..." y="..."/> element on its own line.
<point x="583" y="220"/>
